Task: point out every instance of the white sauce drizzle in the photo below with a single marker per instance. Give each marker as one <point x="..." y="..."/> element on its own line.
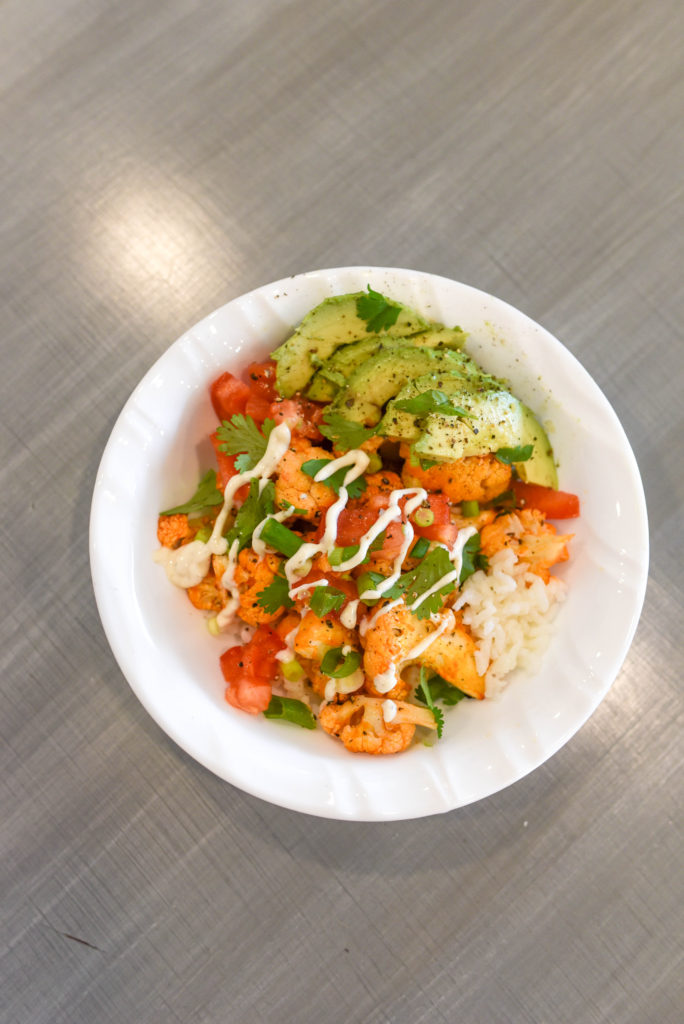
<point x="289" y="652"/>
<point x="358" y="461"/>
<point x="187" y="566"/>
<point x="348" y="615"/>
<point x="389" y="710"/>
<point x="296" y="591"/>
<point x="456" y="557"/>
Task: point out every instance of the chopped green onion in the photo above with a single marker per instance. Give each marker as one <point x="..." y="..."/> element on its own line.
<point x="326" y="599"/>
<point x="292" y="671"/>
<point x="281" y="538"/>
<point x="420" y="548"/>
<point x="203" y="534"/>
<point x="338" y="665"/>
<point x="213" y="626"/>
<point x="368" y="581"/>
<point x="470" y="508"/>
<point x="339" y="555"/>
<point x="374" y="463"/>
<point x="424" y="517"/>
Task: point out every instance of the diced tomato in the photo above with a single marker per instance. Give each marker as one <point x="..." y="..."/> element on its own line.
<point x="249" y="670"/>
<point x="261" y="378"/>
<point x="393" y="540"/>
<point x="554" y="504"/>
<point x="258" y="406"/>
<point x="228" y="396"/>
<point x="263" y="648"/>
<point x="437" y="508"/>
<point x="301" y="416"/>
<point x="225" y="469"/>
<point x="354" y="520"/>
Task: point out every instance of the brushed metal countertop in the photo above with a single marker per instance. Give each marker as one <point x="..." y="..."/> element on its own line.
<point x="158" y="160"/>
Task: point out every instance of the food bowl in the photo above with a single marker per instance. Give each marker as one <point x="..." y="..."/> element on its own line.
<point x="159" y="448"/>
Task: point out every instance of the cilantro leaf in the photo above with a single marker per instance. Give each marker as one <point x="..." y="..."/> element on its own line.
<point x="379" y="312"/>
<point x="242" y="437"/>
<point x="344" y="433"/>
<point x="470" y="557"/>
<point x="431" y="401"/>
<point x="287" y="709"/>
<point x="415" y="582"/>
<point x="206" y="496"/>
<point x="510" y="455"/>
<point x="326" y="599"/>
<point x="355" y="489"/>
<point x="276" y="595"/>
<point x="440" y="689"/>
<point x="338" y="665"/>
<point x="251" y="513"/>
<point x="423" y="693"/>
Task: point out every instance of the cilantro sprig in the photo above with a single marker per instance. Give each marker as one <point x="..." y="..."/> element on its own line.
<point x="287" y="709"/>
<point x="344" y="433"/>
<point x="259" y="505"/>
<point x="424" y="694"/>
<point x="472" y="558"/>
<point x="276" y="595"/>
<point x="379" y="312"/>
<point x="439" y="689"/>
<point x="415" y="582"/>
<point x="355" y="489"/>
<point x="240" y="436"/>
<point x="205" y="497"/>
<point x="508" y="456"/>
<point x="431" y="401"/>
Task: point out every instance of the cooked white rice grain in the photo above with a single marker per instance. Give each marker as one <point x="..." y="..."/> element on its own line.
<point x="509" y="611"/>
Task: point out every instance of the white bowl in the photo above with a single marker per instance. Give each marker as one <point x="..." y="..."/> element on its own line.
<point x="157" y="452"/>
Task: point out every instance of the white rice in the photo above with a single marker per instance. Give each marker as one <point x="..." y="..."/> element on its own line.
<point x="509" y="611"/>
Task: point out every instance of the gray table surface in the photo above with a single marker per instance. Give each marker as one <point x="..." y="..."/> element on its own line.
<point x="159" y="159"/>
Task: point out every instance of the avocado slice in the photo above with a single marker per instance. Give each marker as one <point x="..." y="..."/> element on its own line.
<point x="381" y="377"/>
<point x="497" y="420"/>
<point x="336" y="370"/>
<point x="331" y="324"/>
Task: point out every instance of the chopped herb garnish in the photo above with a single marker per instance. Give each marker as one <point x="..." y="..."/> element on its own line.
<point x="420" y="548"/>
<point x="339" y="555"/>
<point x="344" y="433"/>
<point x="378" y="312"/>
<point x="259" y="504"/>
<point x="504" y="501"/>
<point x="326" y="599"/>
<point x="338" y="665"/>
<point x="472" y="558"/>
<point x="276" y="595"/>
<point x="415" y="582"/>
<point x="510" y="455"/>
<point x="205" y="497"/>
<point x="354" y="489"/>
<point x="423" y="693"/>
<point x="440" y="689"/>
<point x="470" y="509"/>
<point x="242" y="437"/>
<point x="431" y="401"/>
<point x="289" y="710"/>
<point x="369" y="581"/>
<point x="282" y="538"/>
